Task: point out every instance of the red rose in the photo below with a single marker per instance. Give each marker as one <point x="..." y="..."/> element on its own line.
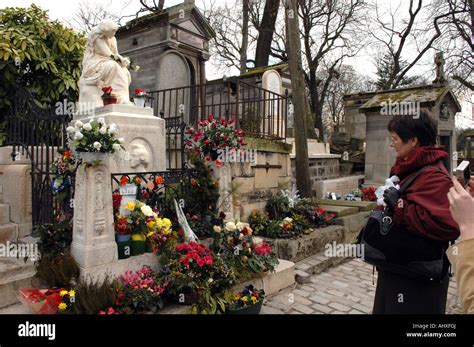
<point x="210" y="117"/>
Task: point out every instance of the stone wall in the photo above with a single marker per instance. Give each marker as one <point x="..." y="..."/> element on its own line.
<point x="321" y="167"/>
<point x="254" y="183"/>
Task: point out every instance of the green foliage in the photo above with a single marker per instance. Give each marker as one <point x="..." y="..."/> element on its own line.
<point x="55" y="238"/>
<point x="385" y="69"/>
<point x="43" y="55"/>
<point x="60" y="271"/>
<point x="93" y="297"/>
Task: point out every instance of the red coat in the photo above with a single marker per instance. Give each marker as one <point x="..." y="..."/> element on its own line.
<point x="425" y="207"/>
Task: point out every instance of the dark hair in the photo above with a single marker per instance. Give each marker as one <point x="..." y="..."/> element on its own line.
<point x="408" y="127"/>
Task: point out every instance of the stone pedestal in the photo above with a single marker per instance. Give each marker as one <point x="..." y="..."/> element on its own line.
<point x="144" y="134"/>
<point x="93" y="228"/>
<point x="93" y="245"/>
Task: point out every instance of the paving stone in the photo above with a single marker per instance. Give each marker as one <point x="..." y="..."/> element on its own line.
<point x="303" y="309"/>
<point x="322" y="308"/>
<point x="319" y="299"/>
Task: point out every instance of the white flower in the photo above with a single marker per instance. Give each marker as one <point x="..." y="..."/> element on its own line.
<point x="97" y="145"/>
<point x="241" y="225"/>
<point x="113" y="129"/>
<point x="230" y="226"/>
<point x="87" y="127"/>
<point x="70" y="130"/>
<point x="116" y="147"/>
<point x="101" y="120"/>
<point x="210" y="280"/>
<point x="78" y="124"/>
<point x="103" y="130"/>
<point x="121" y="140"/>
<point x="241" y="236"/>
<point x="147" y="211"/>
<point x="288" y="220"/>
<point x="78" y="135"/>
<point x="217" y="229"/>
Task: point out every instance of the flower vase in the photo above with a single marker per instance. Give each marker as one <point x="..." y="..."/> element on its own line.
<point x="138" y="244"/>
<point x="149" y="247"/>
<point x="92" y="157"/>
<point x="250" y="309"/>
<point x="124" y="246"/>
<point x="139" y="101"/>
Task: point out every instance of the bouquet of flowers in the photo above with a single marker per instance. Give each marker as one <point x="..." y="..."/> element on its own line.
<point x="62" y="171"/>
<point x="95" y="136"/>
<point x="368" y="194"/>
<point x="213" y="136"/>
<point x="41" y="301"/>
<point x="139" y="292"/>
<point x="259" y="221"/>
<point x="248" y="297"/>
<point x="68" y="298"/>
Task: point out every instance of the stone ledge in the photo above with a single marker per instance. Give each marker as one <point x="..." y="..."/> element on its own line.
<point x="315" y="264"/>
<point x="14" y="274"/>
<point x="267" y="145"/>
<point x="340" y="211"/>
<point x="307" y="245"/>
<point x="362" y="206"/>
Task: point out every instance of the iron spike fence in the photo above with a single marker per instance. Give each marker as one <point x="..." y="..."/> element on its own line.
<point x="38" y="134"/>
<point x="259" y="112"/>
<point x="172" y="184"/>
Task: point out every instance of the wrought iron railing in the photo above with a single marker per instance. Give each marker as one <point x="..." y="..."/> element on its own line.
<point x="259" y="112"/>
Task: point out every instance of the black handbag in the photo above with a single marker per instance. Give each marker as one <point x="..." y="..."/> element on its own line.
<point x="399" y="251"/>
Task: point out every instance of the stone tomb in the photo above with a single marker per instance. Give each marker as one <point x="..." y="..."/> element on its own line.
<point x="93" y="244"/>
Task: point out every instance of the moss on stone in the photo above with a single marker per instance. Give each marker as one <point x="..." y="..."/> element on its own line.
<point x="268" y="145"/>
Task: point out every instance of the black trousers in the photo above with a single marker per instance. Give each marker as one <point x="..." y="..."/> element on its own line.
<point x="399" y="295"/>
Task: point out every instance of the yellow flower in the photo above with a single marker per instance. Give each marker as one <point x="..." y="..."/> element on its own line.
<point x="253" y="298"/>
<point x="62" y="306"/>
<point x="236" y="297"/>
<point x="150" y="224"/>
<point x="159" y="223"/>
<point x="167" y="223"/>
<point x="244" y="299"/>
<point x="130" y="206"/>
<point x="72" y="293"/>
<point x="63" y="292"/>
<point x="150" y="234"/>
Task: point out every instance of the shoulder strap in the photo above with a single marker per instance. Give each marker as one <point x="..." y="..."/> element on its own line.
<point x="413" y="178"/>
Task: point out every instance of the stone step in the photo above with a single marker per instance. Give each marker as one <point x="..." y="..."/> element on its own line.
<point x="8" y="232"/>
<point x="4" y="214"/>
<point x="340" y="211"/>
<point x="315" y="264"/>
<point x="14" y="274"/>
<point x="362" y="206"/>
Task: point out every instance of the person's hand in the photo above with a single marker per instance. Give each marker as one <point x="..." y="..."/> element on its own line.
<point x="462" y="209"/>
<point x="390" y="197"/>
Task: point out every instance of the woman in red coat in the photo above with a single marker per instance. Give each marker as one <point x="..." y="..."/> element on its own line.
<point x="422" y="210"/>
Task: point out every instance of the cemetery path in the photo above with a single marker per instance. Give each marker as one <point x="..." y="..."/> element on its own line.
<point x="348" y="288"/>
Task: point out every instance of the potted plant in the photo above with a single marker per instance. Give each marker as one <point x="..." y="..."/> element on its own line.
<point x="139" y="98"/>
<point x="93" y="140"/>
<point x="108" y="98"/>
<point x="248" y="301"/>
<point x="123" y="237"/>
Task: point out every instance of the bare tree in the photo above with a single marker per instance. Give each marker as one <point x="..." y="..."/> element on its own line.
<point x="155" y="6"/>
<point x="266" y="28"/>
<point x="406" y="38"/>
<point x="330" y="35"/>
<point x="300" y="102"/>
<point x="90" y="14"/>
<point x="457" y="40"/>
<point x="245" y="36"/>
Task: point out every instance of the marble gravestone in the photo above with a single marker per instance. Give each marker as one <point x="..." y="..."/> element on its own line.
<point x="271" y="81"/>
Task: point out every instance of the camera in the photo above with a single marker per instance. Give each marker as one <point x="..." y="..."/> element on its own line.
<point x="463" y="172"/>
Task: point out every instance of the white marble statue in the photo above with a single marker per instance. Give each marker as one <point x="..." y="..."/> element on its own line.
<point x="102" y="66"/>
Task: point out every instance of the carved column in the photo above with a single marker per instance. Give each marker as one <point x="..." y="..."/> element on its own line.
<point x="93" y="227"/>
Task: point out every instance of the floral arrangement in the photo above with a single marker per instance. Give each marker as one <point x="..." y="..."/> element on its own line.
<point x="68" y="298"/>
<point x="159" y="233"/>
<point x="249" y="296"/>
<point x="62" y="171"/>
<point x="213" y="135"/>
<point x="139" y="292"/>
<point x="139" y="93"/>
<point x="122" y="225"/>
<point x="95" y="136"/>
<point x="107" y="92"/>
<point x="41" y="301"/>
<point x="368" y="194"/>
<point x="139" y="216"/>
<point x="259" y="221"/>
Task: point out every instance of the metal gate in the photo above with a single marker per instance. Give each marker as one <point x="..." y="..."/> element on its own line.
<point x="38" y="134"/>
